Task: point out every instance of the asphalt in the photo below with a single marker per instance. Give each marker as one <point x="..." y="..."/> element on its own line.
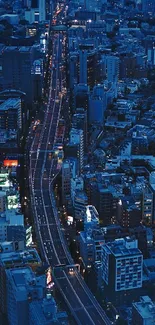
<point x="43" y="169"/>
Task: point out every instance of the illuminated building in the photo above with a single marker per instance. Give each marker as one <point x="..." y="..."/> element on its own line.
<point x="12" y="201"/>
<point x="91" y="218"/>
<point x="91" y="239"/>
<point x="147" y="206"/>
<point x="66" y="181"/>
<point x="37" y="79"/>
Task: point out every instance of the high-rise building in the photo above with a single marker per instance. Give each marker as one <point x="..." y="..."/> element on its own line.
<point x="42" y="10"/>
<point x="91" y="238"/>
<point x="81" y="96"/>
<point x="87" y="65"/>
<point x="147" y="206"/>
<point x="79" y="121"/>
<point x="122" y="268"/>
<point x="83" y="67"/>
<point x="91" y="218"/>
<point x="11" y="115"/>
<point x="12" y="256"/>
<point x="87" y="251"/>
<point x="104" y="205"/>
<point x="76" y="185"/>
<point x="37" y="79"/>
<point x="73" y="69"/>
<point x="66" y="181"/>
<point x="77" y="138"/>
<point x="112" y="68"/>
<point x="80" y="203"/>
<point x="96" y="110"/>
<point x="17" y="69"/>
<point x="22" y="288"/>
<point x="2" y="201"/>
<point x="8" y="219"/>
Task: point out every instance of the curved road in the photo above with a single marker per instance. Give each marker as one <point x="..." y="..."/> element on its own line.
<point x="43" y="169"/>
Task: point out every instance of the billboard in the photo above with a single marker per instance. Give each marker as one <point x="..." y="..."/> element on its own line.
<point x="12" y="202"/>
<point x="49" y="281"/>
<point x="10" y="163"/>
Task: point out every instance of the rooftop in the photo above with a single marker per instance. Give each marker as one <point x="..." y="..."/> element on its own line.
<point x="123" y="247"/>
<point x="9" y="103"/>
<point x="29" y="256"/>
<point x="146" y="308"/>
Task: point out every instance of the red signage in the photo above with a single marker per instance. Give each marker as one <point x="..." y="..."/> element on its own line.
<point x="10" y="163"/>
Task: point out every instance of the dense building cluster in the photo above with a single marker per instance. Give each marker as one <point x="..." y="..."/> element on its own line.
<point x="103" y="149"/>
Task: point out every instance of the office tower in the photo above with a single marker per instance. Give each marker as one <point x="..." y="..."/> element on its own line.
<point x="8" y="219"/>
<point x="66" y="181"/>
<point x="90" y="239"/>
<point x="96" y="110"/>
<point x="151" y="54"/>
<point x="100" y="98"/>
<point x="17" y="66"/>
<point x="79" y="121"/>
<point x="22" y="288"/>
<point x="91" y="247"/>
<point x="42" y="10"/>
<point x="112" y="68"/>
<point x="32" y="15"/>
<point x="76" y="185"/>
<point x="10" y="114"/>
<point x="80" y="203"/>
<point x="87" y="65"/>
<point x="104" y="205"/>
<point x="77" y="138"/>
<point x="37" y="79"/>
<point x="2" y="201"/>
<point x="132" y="217"/>
<point x="12" y="256"/>
<point x="81" y="96"/>
<point x="71" y="152"/>
<point x="129" y="214"/>
<point x="122" y="268"/>
<point x="73" y="69"/>
<point x="83" y="67"/>
<point x="127" y="66"/>
<point x="73" y="166"/>
<point x="147" y="206"/>
<point x="143" y="311"/>
<point x="87" y="252"/>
